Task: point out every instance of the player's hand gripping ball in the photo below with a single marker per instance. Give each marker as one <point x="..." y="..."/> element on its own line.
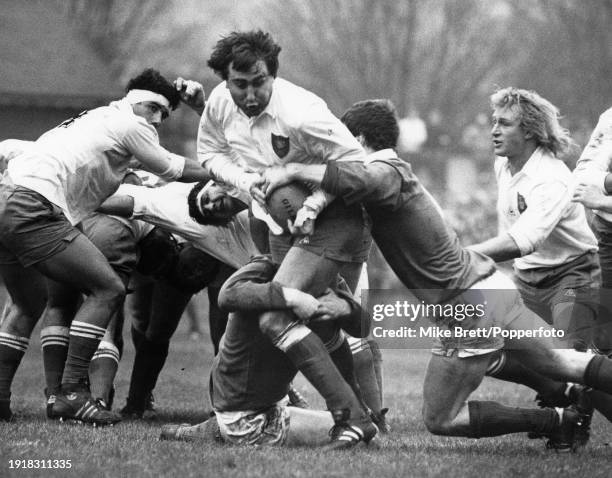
<point x="286" y="201"/>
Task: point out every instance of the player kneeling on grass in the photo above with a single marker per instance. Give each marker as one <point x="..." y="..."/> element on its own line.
<point x="250" y="376"/>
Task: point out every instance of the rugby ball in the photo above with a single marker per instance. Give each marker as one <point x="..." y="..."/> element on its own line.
<point x="286" y="201"/>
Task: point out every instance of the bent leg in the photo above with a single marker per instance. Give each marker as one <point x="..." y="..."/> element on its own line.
<point x="308" y="427"/>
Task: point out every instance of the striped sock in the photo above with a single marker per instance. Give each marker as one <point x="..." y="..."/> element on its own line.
<point x="365" y="372"/>
<point x="84" y="341"/>
<point x="102" y="370"/>
<point x="12" y="349"/>
<point x="54" y="342"/>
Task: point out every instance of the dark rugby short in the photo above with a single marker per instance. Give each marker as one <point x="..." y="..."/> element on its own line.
<point x="341" y="233"/>
<point x="32" y="229"/>
<point x="115" y="240"/>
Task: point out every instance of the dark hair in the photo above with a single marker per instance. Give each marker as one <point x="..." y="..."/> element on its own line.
<point x="375" y="120"/>
<point x="195" y="213"/>
<point x="152" y="80"/>
<point x="244" y="49"/>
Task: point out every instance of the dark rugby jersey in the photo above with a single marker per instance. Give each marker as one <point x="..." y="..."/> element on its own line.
<point x="249" y="373"/>
<point x="408" y="226"/>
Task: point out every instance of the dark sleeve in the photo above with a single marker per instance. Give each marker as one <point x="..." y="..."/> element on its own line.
<point x="250" y="289"/>
<point x="358" y="322"/>
<point x="375" y="183"/>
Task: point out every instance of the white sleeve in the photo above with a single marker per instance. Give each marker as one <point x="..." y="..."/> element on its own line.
<point x="214" y="153"/>
<point x="594" y="162"/>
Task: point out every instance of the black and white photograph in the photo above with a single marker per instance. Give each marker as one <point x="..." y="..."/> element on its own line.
<point x="305" y="238"/>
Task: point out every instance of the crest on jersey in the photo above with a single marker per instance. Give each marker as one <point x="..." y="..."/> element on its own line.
<point x="520" y="202"/>
<point x="280" y="144"/>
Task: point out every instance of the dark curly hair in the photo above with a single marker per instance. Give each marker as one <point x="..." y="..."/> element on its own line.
<point x="244" y="49"/>
<point x="375" y="120"/>
<point x="152" y="80"/>
<point x="194" y="210"/>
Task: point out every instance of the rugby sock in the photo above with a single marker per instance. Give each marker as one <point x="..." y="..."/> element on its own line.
<point x="366" y="375"/>
<point x="598" y="373"/>
<point x="340" y="354"/>
<point x="102" y="370"/>
<point x="506" y="367"/>
<point x="148" y="363"/>
<point x="488" y="419"/>
<point x="602" y="402"/>
<point x="84" y="341"/>
<point x="309" y="356"/>
<point x="54" y="342"/>
<point x="377" y="360"/>
<point x="12" y="349"/>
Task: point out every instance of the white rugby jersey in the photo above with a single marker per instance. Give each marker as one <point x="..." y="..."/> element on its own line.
<point x="594" y="163"/>
<point x="534" y="207"/>
<point x="81" y="162"/>
<point x="295" y="127"/>
<point x="166" y="206"/>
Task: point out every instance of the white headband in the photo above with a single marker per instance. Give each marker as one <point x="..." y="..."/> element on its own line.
<point x="199" y="197"/>
<point x="138" y="96"/>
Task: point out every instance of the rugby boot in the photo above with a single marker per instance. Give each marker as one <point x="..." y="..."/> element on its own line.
<point x="78" y="405"/>
<point x="296" y="399"/>
<point x="571" y="434"/>
<point x="140" y="411"/>
<point x="49" y="405"/>
<point x="347" y="433"/>
<point x="5" y="411"/>
<point x="380" y="420"/>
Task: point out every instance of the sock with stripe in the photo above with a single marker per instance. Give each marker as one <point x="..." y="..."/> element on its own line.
<point x="309" y="356"/>
<point x="340" y="353"/>
<point x="377" y="361"/>
<point x="366" y="374"/>
<point x="84" y="341"/>
<point x="506" y="367"/>
<point x="54" y="343"/>
<point x="12" y="349"/>
<point x="488" y="419"/>
<point x="102" y="370"/>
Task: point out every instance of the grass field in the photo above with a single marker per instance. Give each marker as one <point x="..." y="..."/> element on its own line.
<point x="131" y="449"/>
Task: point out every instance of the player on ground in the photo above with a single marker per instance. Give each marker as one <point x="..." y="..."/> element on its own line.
<point x="46" y="193"/>
<point x="250" y="376"/>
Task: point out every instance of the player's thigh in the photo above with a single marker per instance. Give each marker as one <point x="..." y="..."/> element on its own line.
<point x="28" y="297"/>
<point x="82" y="266"/>
<point x="308" y="427"/>
<point x="448" y="383"/>
<point x="307" y="271"/>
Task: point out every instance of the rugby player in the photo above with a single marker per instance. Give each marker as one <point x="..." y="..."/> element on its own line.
<point x="593" y="185"/>
<point x="556" y="267"/>
<point x="427" y="257"/>
<point x="250" y="376"/>
<point x="253" y="120"/>
<point x="51" y="189"/>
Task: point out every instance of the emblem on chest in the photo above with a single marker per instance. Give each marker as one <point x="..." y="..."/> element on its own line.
<point x="280" y="145"/>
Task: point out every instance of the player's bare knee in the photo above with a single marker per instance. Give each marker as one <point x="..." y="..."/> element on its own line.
<point x="272" y="324"/>
<point x="113" y="290"/>
<point x="436" y="423"/>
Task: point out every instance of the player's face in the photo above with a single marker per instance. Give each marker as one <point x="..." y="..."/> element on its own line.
<point x="251" y="90"/>
<point x="152" y="112"/>
<point x="217" y="203"/>
<point x="508" y="137"/>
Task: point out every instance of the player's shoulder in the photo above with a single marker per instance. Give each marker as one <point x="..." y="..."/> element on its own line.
<point x="296" y="105"/>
